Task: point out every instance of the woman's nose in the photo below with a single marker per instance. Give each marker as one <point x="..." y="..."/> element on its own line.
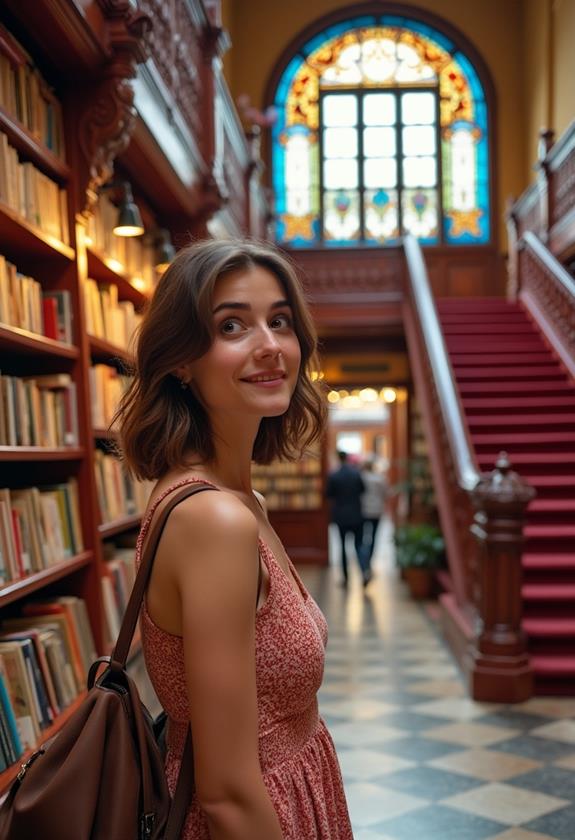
<point x="267" y="343"/>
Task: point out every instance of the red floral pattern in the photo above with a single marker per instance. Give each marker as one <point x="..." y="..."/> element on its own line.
<point x="297" y="755"/>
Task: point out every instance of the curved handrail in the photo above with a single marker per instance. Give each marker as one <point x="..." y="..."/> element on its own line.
<point x="464" y="460"/>
<point x="550" y="262"/>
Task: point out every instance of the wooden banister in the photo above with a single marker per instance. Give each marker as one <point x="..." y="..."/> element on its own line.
<point x="481" y="514"/>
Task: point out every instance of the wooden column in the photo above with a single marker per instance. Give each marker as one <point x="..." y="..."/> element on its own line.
<point x="546" y="137"/>
<point x="497" y="662"/>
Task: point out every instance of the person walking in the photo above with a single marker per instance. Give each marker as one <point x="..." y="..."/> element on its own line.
<point x="233" y="642"/>
<point x="372" y="501"/>
<point x="344" y="488"/>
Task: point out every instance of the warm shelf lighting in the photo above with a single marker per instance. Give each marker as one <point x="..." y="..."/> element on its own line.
<point x="389" y="395"/>
<point x="129" y="221"/>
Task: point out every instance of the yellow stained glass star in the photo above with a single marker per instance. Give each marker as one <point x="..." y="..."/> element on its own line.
<point x="465" y="221"/>
<point x="298" y="226"/>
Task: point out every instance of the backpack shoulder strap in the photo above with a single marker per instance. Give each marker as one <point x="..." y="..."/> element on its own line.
<point x="126" y="634"/>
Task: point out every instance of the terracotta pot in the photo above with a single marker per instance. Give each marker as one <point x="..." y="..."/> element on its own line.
<point x="420" y="582"/>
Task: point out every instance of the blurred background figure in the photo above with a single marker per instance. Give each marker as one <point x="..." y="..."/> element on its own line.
<point x="344" y="489"/>
<point x="372" y="507"/>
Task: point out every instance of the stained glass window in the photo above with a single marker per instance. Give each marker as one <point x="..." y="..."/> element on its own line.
<point x="382" y="129"/>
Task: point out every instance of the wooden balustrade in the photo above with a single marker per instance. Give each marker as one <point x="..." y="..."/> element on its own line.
<point x="481" y="515"/>
<point x="547" y="207"/>
<point x="548" y="291"/>
<point x="498" y="664"/>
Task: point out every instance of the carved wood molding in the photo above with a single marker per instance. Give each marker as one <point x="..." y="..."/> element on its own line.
<point x="106" y="111"/>
<point x="553" y="298"/>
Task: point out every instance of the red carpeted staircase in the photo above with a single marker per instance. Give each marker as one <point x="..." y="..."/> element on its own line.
<point x="516" y="396"/>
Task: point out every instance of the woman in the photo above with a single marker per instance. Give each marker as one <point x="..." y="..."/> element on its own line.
<point x="222" y="378"/>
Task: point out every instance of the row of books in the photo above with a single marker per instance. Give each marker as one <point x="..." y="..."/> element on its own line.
<point x="31" y="194"/>
<point x="26" y="97"/>
<point x="134" y="256"/>
<point x="288" y="484"/>
<point x="106" y="389"/>
<point x="116" y="583"/>
<point x="119" y="494"/>
<point x="38" y="411"/>
<point x="308" y="465"/>
<point x="25" y="305"/>
<point x="292" y="501"/>
<point x="39" y="527"/>
<point x="45" y="655"/>
<point x="106" y="316"/>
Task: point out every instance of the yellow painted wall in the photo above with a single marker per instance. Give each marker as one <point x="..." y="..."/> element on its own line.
<point x="563" y="64"/>
<point x="537" y="77"/>
<point x="261" y="29"/>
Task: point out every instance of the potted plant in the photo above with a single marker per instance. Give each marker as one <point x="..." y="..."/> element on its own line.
<point x="419" y="551"/>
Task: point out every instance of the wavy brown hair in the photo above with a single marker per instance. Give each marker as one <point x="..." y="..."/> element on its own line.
<point x="158" y="421"/>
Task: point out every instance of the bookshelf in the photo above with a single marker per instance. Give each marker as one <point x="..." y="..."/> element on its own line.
<point x="67" y="127"/>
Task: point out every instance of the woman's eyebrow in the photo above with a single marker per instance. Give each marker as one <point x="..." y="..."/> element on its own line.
<point x="230" y="304"/>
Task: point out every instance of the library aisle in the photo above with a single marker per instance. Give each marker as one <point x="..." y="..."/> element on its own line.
<point x="419" y="759"/>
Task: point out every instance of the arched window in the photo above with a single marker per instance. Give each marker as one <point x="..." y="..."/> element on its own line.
<point x="382" y="129"/>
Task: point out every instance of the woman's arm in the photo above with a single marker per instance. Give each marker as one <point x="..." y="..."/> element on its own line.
<point x="211" y="543"/>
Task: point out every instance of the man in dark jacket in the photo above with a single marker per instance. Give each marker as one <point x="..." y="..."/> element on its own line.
<point x="344" y="488"/>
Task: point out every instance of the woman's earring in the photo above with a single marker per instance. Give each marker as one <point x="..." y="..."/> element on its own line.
<point x="183" y="385"/>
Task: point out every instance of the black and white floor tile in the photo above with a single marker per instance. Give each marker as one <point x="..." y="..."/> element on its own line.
<point x="419" y="758"/>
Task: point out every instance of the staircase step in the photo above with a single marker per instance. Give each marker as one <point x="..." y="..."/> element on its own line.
<point x="521" y="442"/>
<point x="512" y="403"/>
<point x="549" y="482"/>
<point x="553" y="491"/>
<point x="460" y="360"/>
<point x="553" y="666"/>
<point x="484" y="330"/>
<point x="549" y="627"/>
<point x="524" y="421"/>
<point x="548" y="592"/>
<point x="532" y="464"/>
<point x="553" y="505"/>
<point x="478" y="305"/>
<point x="550" y="531"/>
<point x="448" y="318"/>
<point x="553" y="388"/>
<point x="553" y="561"/>
<point x="517" y="373"/>
<point x="460" y="344"/>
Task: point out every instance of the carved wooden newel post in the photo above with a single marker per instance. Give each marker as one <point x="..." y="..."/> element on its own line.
<point x="498" y="664"/>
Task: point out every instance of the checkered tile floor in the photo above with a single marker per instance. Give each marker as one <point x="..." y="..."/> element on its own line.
<point x="419" y="759"/>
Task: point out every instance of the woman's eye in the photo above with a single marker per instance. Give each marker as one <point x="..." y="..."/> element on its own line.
<point x="230" y="327"/>
<point x="281" y="321"/>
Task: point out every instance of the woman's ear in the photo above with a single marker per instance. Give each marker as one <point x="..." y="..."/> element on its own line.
<point x="183" y="373"/>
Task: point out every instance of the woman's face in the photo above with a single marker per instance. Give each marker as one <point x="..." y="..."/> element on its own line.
<point x="253" y="363"/>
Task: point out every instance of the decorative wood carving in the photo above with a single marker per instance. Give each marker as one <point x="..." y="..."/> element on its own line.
<point x="107" y="114"/>
<point x="553" y="297"/>
<point x="498" y="664"/>
<point x="175" y="46"/>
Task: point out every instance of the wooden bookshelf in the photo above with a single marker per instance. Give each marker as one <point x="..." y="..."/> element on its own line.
<point x="24" y="240"/>
<point x="106" y="270"/>
<point x="117" y="526"/>
<point x="25" y="142"/>
<point x="78" y="62"/>
<point x="41" y="453"/>
<point x="17" y="589"/>
<point x="15" y="339"/>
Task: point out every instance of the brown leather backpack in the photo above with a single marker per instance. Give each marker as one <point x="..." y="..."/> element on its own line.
<point x="102" y="776"/>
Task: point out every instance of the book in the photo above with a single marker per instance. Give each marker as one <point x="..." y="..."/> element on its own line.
<point x="43" y="709"/>
<point x="20" y="693"/>
<point x="7" y="710"/>
<point x="51" y="611"/>
<point x="51" y="618"/>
